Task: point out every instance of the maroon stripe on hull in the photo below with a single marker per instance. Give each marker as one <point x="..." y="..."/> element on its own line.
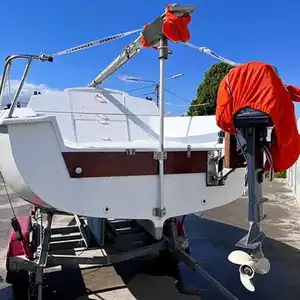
<point x="181" y="163"/>
<point x="112" y="164"/>
<point x="232" y="159"/>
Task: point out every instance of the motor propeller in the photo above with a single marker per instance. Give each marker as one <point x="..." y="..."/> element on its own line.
<point x="249" y="266"/>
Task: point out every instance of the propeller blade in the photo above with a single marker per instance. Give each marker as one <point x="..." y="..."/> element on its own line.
<point x="247" y="282"/>
<point x="239" y="257"/>
<point x="262" y="266"/>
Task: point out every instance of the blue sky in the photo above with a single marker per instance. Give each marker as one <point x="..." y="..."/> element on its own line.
<point x="240" y="30"/>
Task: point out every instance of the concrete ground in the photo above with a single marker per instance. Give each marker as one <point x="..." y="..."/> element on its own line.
<point x="212" y="237"/>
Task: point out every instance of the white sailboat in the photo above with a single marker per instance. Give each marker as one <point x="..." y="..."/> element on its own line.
<point x="102" y="153"/>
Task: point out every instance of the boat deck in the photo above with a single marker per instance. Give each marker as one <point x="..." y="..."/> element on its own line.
<point x="211" y="239"/>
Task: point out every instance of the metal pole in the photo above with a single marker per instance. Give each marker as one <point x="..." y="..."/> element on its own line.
<point x="157" y="93"/>
<point x="8" y="63"/>
<point x="163" y="55"/>
<point x="15" y="100"/>
<point x="194" y="266"/>
<point x="3" y="80"/>
<point x="43" y="256"/>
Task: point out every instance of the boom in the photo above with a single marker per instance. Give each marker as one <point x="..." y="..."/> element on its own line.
<point x="126" y="55"/>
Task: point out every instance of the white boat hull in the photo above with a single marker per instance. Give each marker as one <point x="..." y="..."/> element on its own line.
<point x="36" y="170"/>
<point x="13" y="177"/>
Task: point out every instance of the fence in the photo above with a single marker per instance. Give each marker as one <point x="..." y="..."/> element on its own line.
<point x="293" y="175"/>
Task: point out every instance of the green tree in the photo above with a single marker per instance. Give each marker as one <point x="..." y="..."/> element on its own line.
<point x="207" y="91"/>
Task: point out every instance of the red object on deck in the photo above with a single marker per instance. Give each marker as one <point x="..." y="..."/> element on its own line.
<point x="174" y="27"/>
<point x="258" y="86"/>
<point x="16" y="247"/>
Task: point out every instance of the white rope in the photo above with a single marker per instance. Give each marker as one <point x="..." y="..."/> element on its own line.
<point x="96" y="42"/>
<point x="212" y="53"/>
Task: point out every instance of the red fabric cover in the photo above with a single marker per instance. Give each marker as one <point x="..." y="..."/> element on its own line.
<point x="256" y="85"/>
<point x="175" y="28"/>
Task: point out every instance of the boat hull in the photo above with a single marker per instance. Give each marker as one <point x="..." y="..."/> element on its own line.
<point x="13" y="177"/>
<point x="33" y="166"/>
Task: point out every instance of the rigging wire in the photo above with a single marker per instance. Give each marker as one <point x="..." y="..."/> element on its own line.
<point x="185" y="100"/>
<point x="8" y="196"/>
<point x="211" y="53"/>
<point x="179" y="97"/>
<point x="124" y="34"/>
<point x="184" y="105"/>
<point x="96" y="42"/>
<point x="146" y="94"/>
<point x="170" y="103"/>
<point x="140" y="88"/>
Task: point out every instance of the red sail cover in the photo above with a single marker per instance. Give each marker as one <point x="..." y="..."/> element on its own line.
<point x="175" y="28"/>
<point x="256" y="85"/>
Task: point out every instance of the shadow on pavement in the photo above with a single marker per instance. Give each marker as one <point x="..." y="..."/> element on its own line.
<point x="210" y="244"/>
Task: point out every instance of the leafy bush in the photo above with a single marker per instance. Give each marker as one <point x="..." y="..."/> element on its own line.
<point x="281" y="174"/>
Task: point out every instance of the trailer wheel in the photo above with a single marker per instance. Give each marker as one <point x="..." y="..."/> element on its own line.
<point x="167" y="258"/>
<point x="19" y="283"/>
<point x="21" y="286"/>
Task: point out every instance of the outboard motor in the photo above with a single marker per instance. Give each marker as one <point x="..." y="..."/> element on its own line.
<point x="253" y="125"/>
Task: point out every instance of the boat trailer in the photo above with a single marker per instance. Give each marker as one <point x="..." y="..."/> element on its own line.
<point x="35" y="245"/>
